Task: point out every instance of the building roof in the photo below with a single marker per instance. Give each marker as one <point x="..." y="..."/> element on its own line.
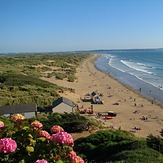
<point x="63" y="100"/>
<point x="24" y="108"/>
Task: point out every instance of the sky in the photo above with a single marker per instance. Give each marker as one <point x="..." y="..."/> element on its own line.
<point x="74" y="25"/>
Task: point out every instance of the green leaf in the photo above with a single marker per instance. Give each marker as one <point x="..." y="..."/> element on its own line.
<point x="29" y="149"/>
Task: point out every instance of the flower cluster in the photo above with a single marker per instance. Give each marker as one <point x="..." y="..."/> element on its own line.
<point x="41" y="161"/>
<point x="60" y="141"/>
<point x="36" y="124"/>
<point x="63" y="138"/>
<point x="7" y="145"/>
<point x="17" y="117"/>
<point x="77" y="159"/>
<point x="1" y="124"/>
<point x="56" y="129"/>
<point x="74" y="158"/>
<point x="45" y="134"/>
<point x="72" y="154"/>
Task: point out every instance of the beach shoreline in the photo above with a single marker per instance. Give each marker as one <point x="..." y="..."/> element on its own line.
<point x="128" y="77"/>
<point x="125" y="85"/>
<point x="131" y="107"/>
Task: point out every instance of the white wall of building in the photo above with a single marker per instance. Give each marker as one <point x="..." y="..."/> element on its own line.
<point x="61" y="108"/>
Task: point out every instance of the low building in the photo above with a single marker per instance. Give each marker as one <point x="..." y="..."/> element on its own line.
<point x="62" y="105"/>
<point x="27" y="110"/>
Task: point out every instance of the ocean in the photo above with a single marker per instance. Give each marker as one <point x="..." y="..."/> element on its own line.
<point x="141" y="70"/>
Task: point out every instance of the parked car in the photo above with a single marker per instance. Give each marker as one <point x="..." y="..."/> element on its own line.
<point x="111" y="113"/>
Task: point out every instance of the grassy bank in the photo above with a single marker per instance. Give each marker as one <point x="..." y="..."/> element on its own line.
<point x="19" y="77"/>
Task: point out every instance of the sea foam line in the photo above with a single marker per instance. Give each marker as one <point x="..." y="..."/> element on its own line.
<point x="137" y="68"/>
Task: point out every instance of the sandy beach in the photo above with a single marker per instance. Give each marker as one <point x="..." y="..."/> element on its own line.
<point x="133" y="110"/>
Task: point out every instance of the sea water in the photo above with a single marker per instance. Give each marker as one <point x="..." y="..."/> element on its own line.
<point x="139" y="69"/>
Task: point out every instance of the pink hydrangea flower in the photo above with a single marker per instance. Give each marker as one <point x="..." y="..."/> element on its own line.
<point x="45" y="134"/>
<point x="77" y="159"/>
<point x="1" y="124"/>
<point x="56" y="129"/>
<point x="17" y="117"/>
<point x="36" y="124"/>
<point x="72" y="154"/>
<point x="41" y="161"/>
<point x="63" y="137"/>
<point x="7" y="145"/>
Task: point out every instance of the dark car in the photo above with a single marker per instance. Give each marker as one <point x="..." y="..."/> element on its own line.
<point x="111" y="113"/>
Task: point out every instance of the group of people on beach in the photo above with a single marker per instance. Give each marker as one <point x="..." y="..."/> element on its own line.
<point x="87" y="110"/>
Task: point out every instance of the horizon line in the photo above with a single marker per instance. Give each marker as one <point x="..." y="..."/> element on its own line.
<point x="72" y="51"/>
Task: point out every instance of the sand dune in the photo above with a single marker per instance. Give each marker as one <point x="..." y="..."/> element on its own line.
<point x="132" y="106"/>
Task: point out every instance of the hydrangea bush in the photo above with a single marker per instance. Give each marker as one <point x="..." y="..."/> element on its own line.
<point x="31" y="144"/>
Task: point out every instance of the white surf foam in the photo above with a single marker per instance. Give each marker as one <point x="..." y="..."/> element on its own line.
<point x="136" y="66"/>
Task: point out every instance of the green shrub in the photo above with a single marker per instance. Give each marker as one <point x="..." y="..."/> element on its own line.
<point x="108" y="146"/>
<point x="138" y="155"/>
<point x="60" y="76"/>
<point x="71" y="78"/>
<point x="71" y="122"/>
<point x="155" y="143"/>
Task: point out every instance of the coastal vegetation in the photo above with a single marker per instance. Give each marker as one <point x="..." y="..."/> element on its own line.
<point x="35" y="139"/>
<point x="116" y="146"/>
<point x="25" y="142"/>
<point x="22" y="89"/>
<point x="156" y="142"/>
<point x="32" y="139"/>
<point x="71" y="122"/>
<point x="20" y="77"/>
